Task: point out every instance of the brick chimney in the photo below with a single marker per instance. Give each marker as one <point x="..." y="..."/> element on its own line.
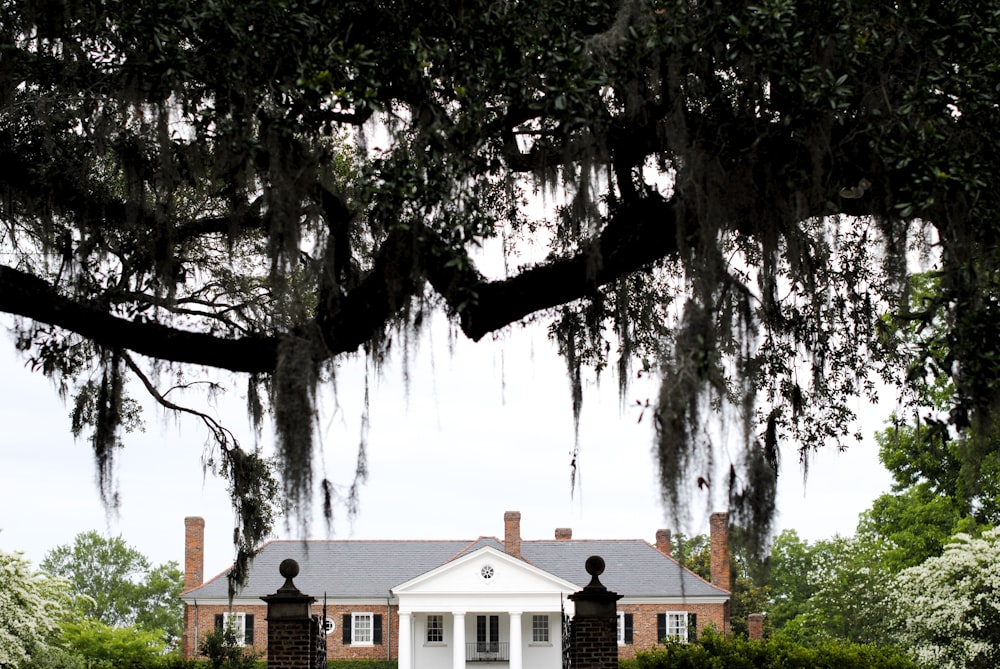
<point x="512" y="533"/>
<point x="755" y="626"/>
<point x="663" y="541"/>
<point x="194" y="552"/>
<point x="564" y="534"/>
<point x="719" y="539"/>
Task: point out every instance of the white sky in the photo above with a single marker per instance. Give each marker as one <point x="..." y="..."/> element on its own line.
<point x="479" y="429"/>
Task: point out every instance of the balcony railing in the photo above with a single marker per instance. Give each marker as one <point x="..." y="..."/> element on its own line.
<point x="487" y="651"/>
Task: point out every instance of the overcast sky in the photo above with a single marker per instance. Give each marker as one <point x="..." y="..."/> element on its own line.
<point x="478" y="429"/>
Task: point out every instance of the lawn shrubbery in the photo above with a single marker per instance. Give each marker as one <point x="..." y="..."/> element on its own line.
<point x="714" y="651"/>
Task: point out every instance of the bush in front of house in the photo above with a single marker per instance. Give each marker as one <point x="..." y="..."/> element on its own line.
<point x="719" y="652"/>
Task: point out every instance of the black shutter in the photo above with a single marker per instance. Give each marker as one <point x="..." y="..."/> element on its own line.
<point x="377" y="629"/>
<point x="218" y="622"/>
<point x="248" y="629"/>
<point x="495" y="630"/>
<point x="661" y="627"/>
<point x="628" y="628"/>
<point x="692" y="627"/>
<point x="346" y="627"/>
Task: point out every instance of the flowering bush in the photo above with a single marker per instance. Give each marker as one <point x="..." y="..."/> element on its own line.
<point x="949" y="606"/>
<point x="32" y="605"/>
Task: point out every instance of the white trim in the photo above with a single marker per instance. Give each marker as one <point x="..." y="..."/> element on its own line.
<point x="356" y="616"/>
<point x="237" y="621"/>
<point x="682" y="636"/>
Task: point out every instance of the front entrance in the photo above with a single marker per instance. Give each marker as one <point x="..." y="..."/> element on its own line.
<point x="487" y="646"/>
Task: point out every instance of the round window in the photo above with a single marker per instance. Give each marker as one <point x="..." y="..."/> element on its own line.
<point x="486" y="572"/>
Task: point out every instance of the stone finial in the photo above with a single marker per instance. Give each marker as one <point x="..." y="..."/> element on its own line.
<point x="288" y="568"/>
<point x="595" y="567"/>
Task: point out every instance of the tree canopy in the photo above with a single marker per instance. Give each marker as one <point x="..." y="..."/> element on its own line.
<point x="265" y="186"/>
<point x="120" y="585"/>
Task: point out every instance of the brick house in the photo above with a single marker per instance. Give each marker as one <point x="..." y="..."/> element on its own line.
<point x="453" y="603"/>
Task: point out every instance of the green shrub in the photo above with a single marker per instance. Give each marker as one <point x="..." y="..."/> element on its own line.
<point x="714" y="651"/>
<point x="105" y="646"/>
<point x="224" y="651"/>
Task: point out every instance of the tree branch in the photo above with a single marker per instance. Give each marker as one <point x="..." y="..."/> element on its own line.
<point x="25" y="295"/>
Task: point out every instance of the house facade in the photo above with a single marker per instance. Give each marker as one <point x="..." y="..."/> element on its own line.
<point x="454" y="604"/>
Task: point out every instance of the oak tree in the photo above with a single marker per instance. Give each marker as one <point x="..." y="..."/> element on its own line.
<point x="265" y="186"/>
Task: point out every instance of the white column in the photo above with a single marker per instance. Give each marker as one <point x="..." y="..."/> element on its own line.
<point x="516" y="649"/>
<point x="405" y="641"/>
<point x="458" y="634"/>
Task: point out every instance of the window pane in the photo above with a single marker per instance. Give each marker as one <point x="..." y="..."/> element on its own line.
<point x="540" y="629"/>
<point x="677" y="625"/>
<point x="362" y="628"/>
<point x="235" y="622"/>
<point x="435" y="629"/>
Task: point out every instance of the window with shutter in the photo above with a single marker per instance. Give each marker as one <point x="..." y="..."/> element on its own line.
<point x="672" y="625"/>
<point x="363" y="630"/>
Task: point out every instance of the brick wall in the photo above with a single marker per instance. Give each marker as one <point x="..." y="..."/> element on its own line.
<point x="335" y="647"/>
<point x="644" y="622"/>
<point x="289" y="644"/>
<point x="644" y="626"/>
<point x="595" y="643"/>
<point x="205" y="618"/>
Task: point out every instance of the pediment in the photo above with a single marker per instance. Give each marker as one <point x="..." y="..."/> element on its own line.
<point x="485" y="570"/>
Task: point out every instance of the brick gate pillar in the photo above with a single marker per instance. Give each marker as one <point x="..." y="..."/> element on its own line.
<point x="594" y="634"/>
<point x="291" y="630"/>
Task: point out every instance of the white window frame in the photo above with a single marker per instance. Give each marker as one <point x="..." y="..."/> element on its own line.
<point x="359" y="633"/>
<point x="439" y="628"/>
<point x="540" y="627"/>
<point x="677" y="626"/>
<point x="621" y="628"/>
<point x="236" y="621"/>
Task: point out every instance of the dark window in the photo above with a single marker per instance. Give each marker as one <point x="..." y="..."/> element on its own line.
<point x="488" y="634"/>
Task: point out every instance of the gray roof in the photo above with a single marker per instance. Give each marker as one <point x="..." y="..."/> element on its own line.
<point x="361" y="569"/>
<point x="633" y="568"/>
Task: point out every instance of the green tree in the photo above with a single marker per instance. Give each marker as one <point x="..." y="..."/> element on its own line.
<point x="850" y="595"/>
<point x="791" y="575"/>
<point x="945" y="474"/>
<point x="121" y="587"/>
<point x="32" y="606"/>
<point x="749" y="594"/>
<point x="917" y="523"/>
<point x="737" y="188"/>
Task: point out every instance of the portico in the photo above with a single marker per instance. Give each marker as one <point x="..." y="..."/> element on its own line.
<point x="485" y="609"/>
